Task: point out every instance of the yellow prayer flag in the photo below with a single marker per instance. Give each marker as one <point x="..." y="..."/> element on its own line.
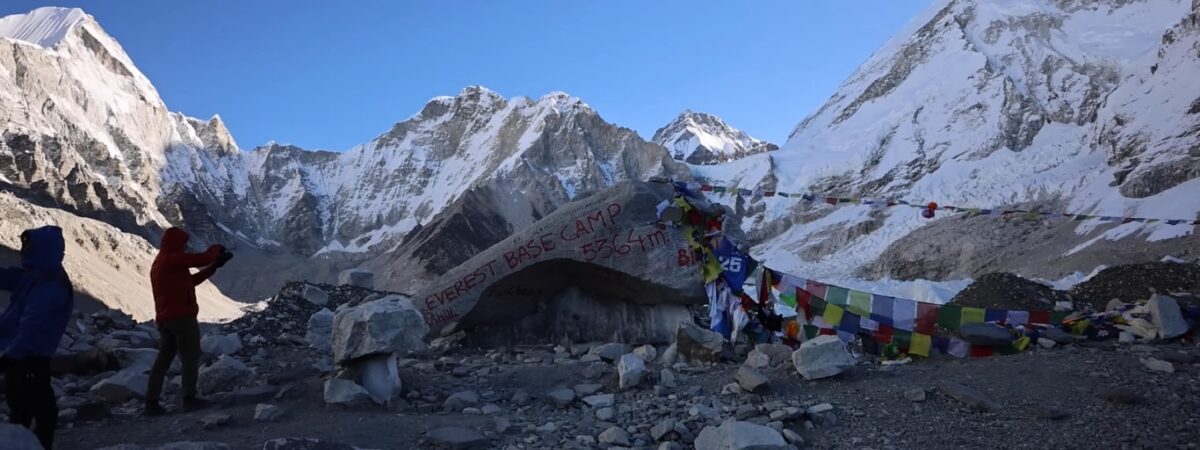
<point x="833" y="314"/>
<point x="920" y="344"/>
<point x="972" y="315"/>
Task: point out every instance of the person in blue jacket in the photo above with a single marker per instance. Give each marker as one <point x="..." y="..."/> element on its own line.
<point x="30" y="329"/>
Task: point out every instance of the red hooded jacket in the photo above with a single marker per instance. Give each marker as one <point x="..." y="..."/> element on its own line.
<point x="173" y="283"/>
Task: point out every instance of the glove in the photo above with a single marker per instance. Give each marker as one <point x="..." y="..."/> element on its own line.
<point x="224" y="258"/>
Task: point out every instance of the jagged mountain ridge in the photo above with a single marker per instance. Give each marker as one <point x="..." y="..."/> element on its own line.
<point x="1079" y="106"/>
<point x="86" y="132"/>
<point x="702" y="138"/>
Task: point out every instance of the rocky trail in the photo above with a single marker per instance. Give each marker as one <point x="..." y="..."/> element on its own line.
<point x="278" y="390"/>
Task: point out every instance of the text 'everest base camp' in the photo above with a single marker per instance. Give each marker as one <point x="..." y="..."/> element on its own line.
<point x="985" y="238"/>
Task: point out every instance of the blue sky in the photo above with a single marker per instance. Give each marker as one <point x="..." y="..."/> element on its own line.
<point x="331" y="75"/>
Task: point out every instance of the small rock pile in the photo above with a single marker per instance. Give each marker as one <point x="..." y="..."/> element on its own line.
<point x="1010" y="291"/>
<point x="286" y="316"/>
<point x="1135" y="282"/>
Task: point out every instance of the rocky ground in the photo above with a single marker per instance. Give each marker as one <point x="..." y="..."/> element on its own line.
<point x="270" y="374"/>
<point x="1058" y="398"/>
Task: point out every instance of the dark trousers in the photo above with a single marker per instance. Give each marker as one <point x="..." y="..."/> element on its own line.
<point x="31" y="397"/>
<point x="182" y="337"/>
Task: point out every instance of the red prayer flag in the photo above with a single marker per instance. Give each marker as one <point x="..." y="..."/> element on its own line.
<point x="926" y="317"/>
<point x="804" y="303"/>
<point x="883" y="334"/>
<point x="817" y="288"/>
<point x="1039" y="317"/>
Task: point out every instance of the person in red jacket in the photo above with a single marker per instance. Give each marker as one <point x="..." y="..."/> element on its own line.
<point x="175" y="308"/>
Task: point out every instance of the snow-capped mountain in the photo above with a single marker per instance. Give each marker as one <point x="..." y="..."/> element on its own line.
<point x="702" y="138"/>
<point x="1084" y="106"/>
<point x="86" y="132"/>
<point x="1087" y="106"/>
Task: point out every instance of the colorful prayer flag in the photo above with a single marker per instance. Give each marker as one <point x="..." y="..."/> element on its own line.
<point x="995" y="315"/>
<point x="904" y="314"/>
<point x="1018" y="318"/>
<point x="860" y="303"/>
<point x="972" y="315"/>
<point x="920" y="344"/>
<point x="950" y="317"/>
<point x="849" y="323"/>
<point x="838" y="295"/>
<point x="881" y="309"/>
<point x="833" y="314"/>
<point x="817" y="288"/>
<point x="926" y="316"/>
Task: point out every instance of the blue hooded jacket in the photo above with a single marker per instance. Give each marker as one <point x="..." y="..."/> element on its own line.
<point x="42" y="297"/>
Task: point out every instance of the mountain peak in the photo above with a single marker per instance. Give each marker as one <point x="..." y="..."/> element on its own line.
<point x="476" y="89"/>
<point x="703" y="138"/>
<point x="44" y="27"/>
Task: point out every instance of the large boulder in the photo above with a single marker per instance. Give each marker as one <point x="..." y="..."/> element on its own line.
<point x="1165" y="313"/>
<point x="135" y="359"/>
<point x="736" y="435"/>
<point x="315" y="295"/>
<point x="627" y="278"/>
<point x="320" y="330"/>
<point x="122" y="386"/>
<point x="822" y="357"/>
<point x="220" y="344"/>
<point x="778" y="353"/>
<point x="345" y="393"/>
<point x="223" y="375"/>
<point x="384" y="326"/>
<point x="16" y="437"/>
<point x="630" y="371"/>
<point x="357" y="277"/>
<point x="697" y="344"/>
<point x="753" y="380"/>
<point x="379" y="377"/>
<point x="610" y="352"/>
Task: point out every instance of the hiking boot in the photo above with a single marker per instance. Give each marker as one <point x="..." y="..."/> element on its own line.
<point x="195" y="404"/>
<point x="154" y="409"/>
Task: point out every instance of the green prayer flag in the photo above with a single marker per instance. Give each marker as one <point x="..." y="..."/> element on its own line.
<point x="902" y="338"/>
<point x="950" y="317"/>
<point x="972" y="315"/>
<point x="1057" y="317"/>
<point x="788" y="299"/>
<point x="860" y="303"/>
<point x="810" y="332"/>
<point x="838" y="296"/>
<point x="818" y="306"/>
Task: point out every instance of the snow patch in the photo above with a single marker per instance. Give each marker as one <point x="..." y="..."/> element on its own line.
<point x="44" y="27"/>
